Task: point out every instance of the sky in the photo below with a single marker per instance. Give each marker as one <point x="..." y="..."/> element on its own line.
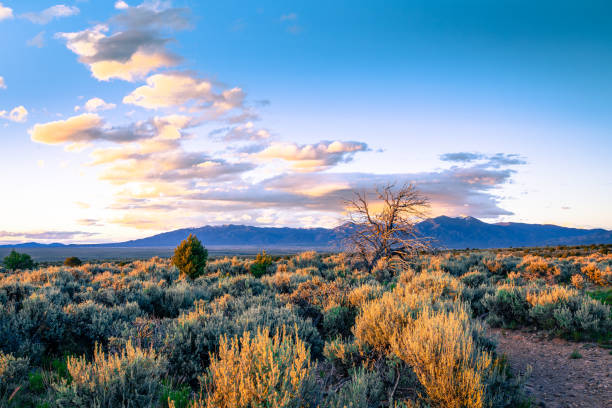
<point x="120" y="119"/>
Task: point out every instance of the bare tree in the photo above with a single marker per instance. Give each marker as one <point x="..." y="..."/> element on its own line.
<point x="385" y="227"/>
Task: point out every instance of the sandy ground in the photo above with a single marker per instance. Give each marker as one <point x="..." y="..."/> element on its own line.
<point x="557" y="380"/>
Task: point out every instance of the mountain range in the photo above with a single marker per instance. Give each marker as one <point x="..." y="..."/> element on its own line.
<point x="447" y="233"/>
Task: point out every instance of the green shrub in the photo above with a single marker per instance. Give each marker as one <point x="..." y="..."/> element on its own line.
<point x="131" y="378"/>
<point x="13" y="379"/>
<point x="190" y="257"/>
<point x="16" y="260"/>
<point x="338" y="321"/>
<point x="261" y="264"/>
<point x="73" y="261"/>
<point x="508" y="307"/>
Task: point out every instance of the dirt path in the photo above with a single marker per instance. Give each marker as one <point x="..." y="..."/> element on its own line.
<point x="558" y="380"/>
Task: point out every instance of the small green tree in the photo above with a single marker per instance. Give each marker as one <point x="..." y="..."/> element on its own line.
<point x="73" y="261"/>
<point x="15" y="261"/>
<point x="190" y="257"/>
<point x="260" y="266"/>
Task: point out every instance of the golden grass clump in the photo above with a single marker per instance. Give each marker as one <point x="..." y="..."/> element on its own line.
<point x="380" y="319"/>
<point x="550" y="295"/>
<point x="440" y="348"/>
<point x="435" y="285"/>
<point x="577" y="281"/>
<point x="258" y="371"/>
<point x="362" y="294"/>
<point x="596" y="275"/>
<point x="536" y="267"/>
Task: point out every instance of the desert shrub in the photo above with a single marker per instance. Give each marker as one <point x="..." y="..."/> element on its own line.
<point x="577" y="281"/>
<point x="563" y="311"/>
<point x="194" y="336"/>
<point x="474" y="279"/>
<point x="160" y="301"/>
<point x="364" y="293"/>
<point x="261" y="264"/>
<point x="258" y="371"/>
<point x="13" y="379"/>
<point x="507" y="307"/>
<point x="285" y="282"/>
<point x="432" y="285"/>
<point x="474" y="296"/>
<point x="597" y="275"/>
<point x="306" y="259"/>
<point x="236" y="286"/>
<point x="363" y="389"/>
<point x="131" y="378"/>
<point x="16" y="260"/>
<point x="379" y="320"/>
<point x="190" y="257"/>
<point x="344" y="356"/>
<point x="88" y="323"/>
<point x="450" y="366"/>
<point x="338" y="321"/>
<point x="500" y="265"/>
<point x="228" y="266"/>
<point x="535" y="267"/>
<point x="73" y="261"/>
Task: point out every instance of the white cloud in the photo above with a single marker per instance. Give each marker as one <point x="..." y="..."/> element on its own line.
<point x="37" y="41"/>
<point x="52" y="12"/>
<point x="313" y="157"/>
<point x="246" y="132"/>
<point x="88" y="127"/>
<point x="17" y="114"/>
<point x="121" y="5"/>
<point x="184" y="90"/>
<point x="5" y="12"/>
<point x="136" y="47"/>
<point x="97" y="105"/>
<point x="2" y="83"/>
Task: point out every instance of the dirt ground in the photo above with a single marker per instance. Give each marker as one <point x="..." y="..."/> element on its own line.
<point x="556" y="379"/>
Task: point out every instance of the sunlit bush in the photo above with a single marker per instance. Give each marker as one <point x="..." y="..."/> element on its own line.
<point x="258" y="371"/>
<point x="130" y="378"/>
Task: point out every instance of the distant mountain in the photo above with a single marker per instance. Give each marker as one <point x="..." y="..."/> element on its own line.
<point x="447" y="232"/>
<point x="470" y="232"/>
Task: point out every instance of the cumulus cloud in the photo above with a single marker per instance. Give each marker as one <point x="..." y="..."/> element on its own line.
<point x="135" y="48"/>
<point x="244" y="132"/>
<point x="183" y="89"/>
<point x="461" y="157"/>
<point x="97" y="105"/>
<point x="173" y="167"/>
<point x="88" y="127"/>
<point x="2" y="83"/>
<point x="121" y="5"/>
<point x="58" y="11"/>
<point x="313" y="157"/>
<point x="17" y="114"/>
<point x="5" y="12"/>
<point x="37" y="41"/>
<point x="486" y="160"/>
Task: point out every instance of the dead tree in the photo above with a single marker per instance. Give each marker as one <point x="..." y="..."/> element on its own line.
<point x="385" y="227"/>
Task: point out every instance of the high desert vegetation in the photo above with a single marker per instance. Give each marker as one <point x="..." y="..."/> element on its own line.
<point x="310" y="330"/>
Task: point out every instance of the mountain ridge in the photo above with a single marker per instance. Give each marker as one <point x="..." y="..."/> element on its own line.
<point x="447" y="232"/>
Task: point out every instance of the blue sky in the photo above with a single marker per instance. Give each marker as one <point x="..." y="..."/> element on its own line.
<point x="119" y="119"/>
